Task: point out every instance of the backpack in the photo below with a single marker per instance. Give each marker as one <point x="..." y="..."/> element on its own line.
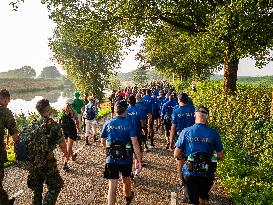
<point x="90" y="112"/>
<point x="32" y="150"/>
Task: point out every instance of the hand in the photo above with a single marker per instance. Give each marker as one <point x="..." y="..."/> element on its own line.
<point x="15" y="137"/>
<point x="171" y="146"/>
<point x="139" y="164"/>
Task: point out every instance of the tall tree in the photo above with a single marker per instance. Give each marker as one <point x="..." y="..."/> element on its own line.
<point x="50" y="72"/>
<point x="140" y="76"/>
<point x="86" y="46"/>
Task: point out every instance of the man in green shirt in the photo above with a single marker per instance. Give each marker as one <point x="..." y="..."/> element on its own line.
<point x="78" y="106"/>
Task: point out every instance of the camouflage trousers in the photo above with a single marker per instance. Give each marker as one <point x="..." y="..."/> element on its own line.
<point x="4" y="200"/>
<point x="48" y="174"/>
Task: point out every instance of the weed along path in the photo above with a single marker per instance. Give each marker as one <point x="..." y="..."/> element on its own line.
<point x="157" y="183"/>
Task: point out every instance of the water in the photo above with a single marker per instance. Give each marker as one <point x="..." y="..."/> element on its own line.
<point x="26" y="102"/>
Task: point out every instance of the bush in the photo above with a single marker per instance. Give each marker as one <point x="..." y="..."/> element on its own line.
<point x="246" y="128"/>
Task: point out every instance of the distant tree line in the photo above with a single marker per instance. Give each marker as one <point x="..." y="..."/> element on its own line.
<point x="29" y="72"/>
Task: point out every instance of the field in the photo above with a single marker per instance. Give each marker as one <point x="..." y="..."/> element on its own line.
<point x="28" y="85"/>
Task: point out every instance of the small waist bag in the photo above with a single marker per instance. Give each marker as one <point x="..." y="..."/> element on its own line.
<point x="117" y="150"/>
<point x="201" y="163"/>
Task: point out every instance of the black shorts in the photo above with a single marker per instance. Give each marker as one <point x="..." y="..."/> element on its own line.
<point x="112" y="170"/>
<point x="195" y="187"/>
<point x="70" y="133"/>
<point x="112" y="109"/>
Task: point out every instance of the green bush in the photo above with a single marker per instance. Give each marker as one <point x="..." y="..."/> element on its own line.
<point x="246" y="128"/>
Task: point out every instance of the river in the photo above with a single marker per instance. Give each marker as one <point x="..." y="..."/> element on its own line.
<point x="26" y="102"/>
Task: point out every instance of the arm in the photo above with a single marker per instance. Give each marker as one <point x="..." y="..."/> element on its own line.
<point x="103" y="142"/>
<point x="63" y="147"/>
<point x="173" y="128"/>
<point x="177" y="153"/>
<point x="136" y="149"/>
<point x="220" y="155"/>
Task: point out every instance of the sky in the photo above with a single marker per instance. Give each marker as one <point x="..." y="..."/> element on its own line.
<point x="24" y="41"/>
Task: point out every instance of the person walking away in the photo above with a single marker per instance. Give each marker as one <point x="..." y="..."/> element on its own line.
<point x="166" y="116"/>
<point x="145" y="118"/>
<point x="133" y="117"/>
<point x="198" y="144"/>
<point x="182" y="117"/>
<point x="90" y="113"/>
<point x="7" y="121"/>
<point x="69" y="124"/>
<point x="112" y="100"/>
<point x="119" y="137"/>
<point x="85" y="102"/>
<point x="78" y="106"/>
<point x="46" y="171"/>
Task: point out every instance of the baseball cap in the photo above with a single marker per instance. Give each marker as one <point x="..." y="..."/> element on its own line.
<point x="202" y="109"/>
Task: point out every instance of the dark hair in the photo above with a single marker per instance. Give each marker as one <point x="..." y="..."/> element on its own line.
<point x="132" y="100"/>
<point x="183" y="98"/>
<point x="148" y="91"/>
<point x="41" y="105"/>
<point x="120" y="106"/>
<point x="4" y="93"/>
<point x="202" y="109"/>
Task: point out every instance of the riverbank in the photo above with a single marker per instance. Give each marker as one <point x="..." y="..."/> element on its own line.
<point x="30" y="85"/>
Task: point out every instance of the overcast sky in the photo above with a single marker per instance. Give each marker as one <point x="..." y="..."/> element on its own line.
<point x="24" y="41"/>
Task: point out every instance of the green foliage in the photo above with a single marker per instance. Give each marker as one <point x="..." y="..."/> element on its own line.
<point x="224" y="30"/>
<point x="104" y="111"/>
<point x="50" y="72"/>
<point x="140" y="76"/>
<point x="246" y="129"/>
<point x="24" y="72"/>
<point x="114" y="82"/>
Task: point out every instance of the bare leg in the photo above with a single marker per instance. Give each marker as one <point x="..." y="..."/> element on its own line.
<point x="126" y="186"/>
<point x="112" y="191"/>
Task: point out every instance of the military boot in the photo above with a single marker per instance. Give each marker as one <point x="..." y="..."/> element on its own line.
<point x="51" y="197"/>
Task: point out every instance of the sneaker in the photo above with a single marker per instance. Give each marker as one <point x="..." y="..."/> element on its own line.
<point x="86" y="142"/>
<point x="74" y="156"/>
<point x="11" y="201"/>
<point x="146" y="149"/>
<point x="66" y="167"/>
<point x="129" y="199"/>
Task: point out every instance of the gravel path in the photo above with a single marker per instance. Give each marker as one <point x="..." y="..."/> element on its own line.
<point x="85" y="185"/>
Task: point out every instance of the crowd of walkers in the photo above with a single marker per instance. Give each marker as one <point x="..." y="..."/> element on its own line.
<point x="137" y="113"/>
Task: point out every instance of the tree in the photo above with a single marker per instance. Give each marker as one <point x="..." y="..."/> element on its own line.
<point x="23" y="72"/>
<point x="168" y="51"/>
<point x="230" y="29"/>
<point x="140" y="76"/>
<point x="86" y="47"/>
<point x="50" y="72"/>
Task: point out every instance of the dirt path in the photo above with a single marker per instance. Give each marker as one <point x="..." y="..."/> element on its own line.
<point x="157" y="183"/>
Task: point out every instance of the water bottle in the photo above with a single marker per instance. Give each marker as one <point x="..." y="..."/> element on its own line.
<point x="213" y="163"/>
<point x="108" y="143"/>
<point x="190" y="158"/>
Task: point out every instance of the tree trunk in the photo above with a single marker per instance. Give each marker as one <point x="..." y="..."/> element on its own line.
<point x="230" y="73"/>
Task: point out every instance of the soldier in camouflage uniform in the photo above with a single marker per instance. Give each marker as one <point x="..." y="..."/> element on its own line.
<point x="6" y="122"/>
<point x="48" y="173"/>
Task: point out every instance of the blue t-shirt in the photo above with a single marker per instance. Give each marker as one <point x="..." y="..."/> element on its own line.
<point x="198" y="138"/>
<point x="152" y="104"/>
<point x="133" y="117"/>
<point x="167" y="109"/>
<point x="118" y="129"/>
<point x="143" y="109"/>
<point x="183" y="116"/>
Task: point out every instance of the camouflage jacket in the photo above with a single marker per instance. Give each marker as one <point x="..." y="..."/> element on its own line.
<point x="7" y="121"/>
